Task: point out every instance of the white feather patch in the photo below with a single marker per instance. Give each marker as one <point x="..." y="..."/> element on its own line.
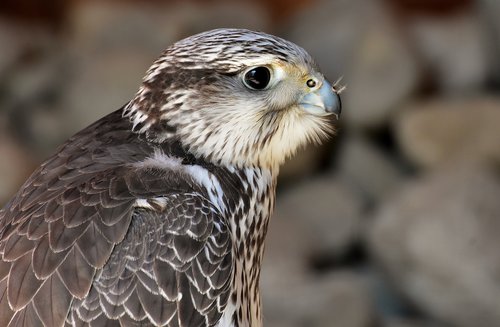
<point x="198" y="173"/>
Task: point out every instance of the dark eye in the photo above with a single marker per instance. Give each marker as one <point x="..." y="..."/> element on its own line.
<point x="257" y="78"/>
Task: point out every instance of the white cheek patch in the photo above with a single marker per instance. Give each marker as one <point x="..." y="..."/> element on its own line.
<point x="279" y="73"/>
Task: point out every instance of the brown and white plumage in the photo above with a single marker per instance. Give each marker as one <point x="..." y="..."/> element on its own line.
<point x="156" y="214"/>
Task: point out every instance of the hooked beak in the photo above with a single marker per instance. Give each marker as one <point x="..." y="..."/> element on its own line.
<point x="322" y="102"/>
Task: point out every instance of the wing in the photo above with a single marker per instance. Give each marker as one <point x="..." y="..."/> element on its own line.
<point x="172" y="269"/>
<point x="62" y="231"/>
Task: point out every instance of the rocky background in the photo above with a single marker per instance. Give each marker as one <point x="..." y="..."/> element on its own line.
<point x="395" y="222"/>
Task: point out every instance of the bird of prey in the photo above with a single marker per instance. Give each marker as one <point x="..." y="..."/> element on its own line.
<point x="156" y="214"/>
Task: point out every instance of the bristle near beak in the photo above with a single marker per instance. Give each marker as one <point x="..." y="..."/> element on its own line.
<point x="337" y="87"/>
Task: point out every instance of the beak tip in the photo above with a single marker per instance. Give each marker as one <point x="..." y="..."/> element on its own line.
<point x="335" y="107"/>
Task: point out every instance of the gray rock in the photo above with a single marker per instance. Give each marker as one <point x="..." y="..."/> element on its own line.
<point x="107" y="26"/>
<point x="455" y="49"/>
<point x="100" y="85"/>
<point x="323" y="213"/>
<point x="238" y="14"/>
<point x="31" y="83"/>
<point x="332" y="42"/>
<point x="111" y="46"/>
<point x="437" y="241"/>
<point x="27" y="58"/>
<point x="409" y="323"/>
<point x="305" y="163"/>
<point x="44" y="128"/>
<point x="382" y="74"/>
<point x="319" y="217"/>
<point x="347" y="302"/>
<point x="15" y="166"/>
<point x="441" y="131"/>
<point x="8" y="56"/>
<point x="18" y="40"/>
<point x="338" y="299"/>
<point x="368" y="169"/>
<point x="99" y="27"/>
<point x="489" y="12"/>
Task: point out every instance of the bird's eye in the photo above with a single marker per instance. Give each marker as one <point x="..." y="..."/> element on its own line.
<point x="311" y="83"/>
<point x="257" y="78"/>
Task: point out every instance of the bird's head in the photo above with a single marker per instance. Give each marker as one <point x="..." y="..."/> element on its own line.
<point x="235" y="97"/>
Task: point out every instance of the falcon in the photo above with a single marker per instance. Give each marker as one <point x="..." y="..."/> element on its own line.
<point x="156" y="214"/>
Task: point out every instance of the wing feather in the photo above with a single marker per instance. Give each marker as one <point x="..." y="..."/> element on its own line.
<point x="159" y="311"/>
<point x="134" y="307"/>
<point x="52" y="302"/>
<point x="155" y="274"/>
<point x="37" y="228"/>
<point x="76" y="274"/>
<point x="62" y="238"/>
<point x="5" y="311"/>
<point x="74" y="249"/>
<point x="26" y="318"/>
<point x="46" y="261"/>
<point x="22" y="282"/>
<point x="112" y="311"/>
<point x="97" y="247"/>
<point x="17" y="246"/>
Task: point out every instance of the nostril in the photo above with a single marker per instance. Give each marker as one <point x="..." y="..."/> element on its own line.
<point x="311" y="83"/>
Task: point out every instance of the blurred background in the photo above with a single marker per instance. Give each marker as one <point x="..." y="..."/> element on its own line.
<point x="395" y="222"/>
